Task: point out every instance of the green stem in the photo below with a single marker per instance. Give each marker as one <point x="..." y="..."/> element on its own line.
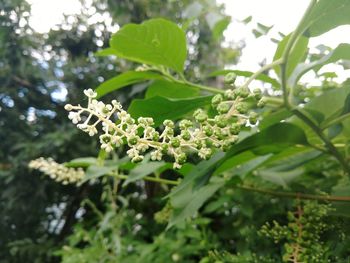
<point x="186" y="82"/>
<point x="335" y="121"/>
<point x="285" y="56"/>
<point x="296" y="195"/>
<point x="330" y="146"/>
<point x="262" y="70"/>
<point x="147" y="178"/>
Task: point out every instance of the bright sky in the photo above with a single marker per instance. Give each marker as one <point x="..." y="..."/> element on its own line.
<point x="284" y="15"/>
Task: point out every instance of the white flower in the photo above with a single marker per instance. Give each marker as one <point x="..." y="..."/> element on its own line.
<point x="74" y="116"/>
<point x="156" y="155"/>
<point x="90" y="93"/>
<point x="57" y="171"/>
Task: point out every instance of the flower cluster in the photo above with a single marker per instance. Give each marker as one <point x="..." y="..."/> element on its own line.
<point x="57" y="171"/>
<point x="201" y="136"/>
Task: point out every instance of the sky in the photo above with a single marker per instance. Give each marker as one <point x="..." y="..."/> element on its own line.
<point x="283" y="15"/>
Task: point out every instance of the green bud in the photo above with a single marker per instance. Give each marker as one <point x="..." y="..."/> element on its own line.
<point x="165" y="148"/>
<point x="132" y="140"/>
<point x="198" y="144"/>
<point x="201" y="116"/>
<point x="243" y="92"/>
<point x="208" y="131"/>
<point x="235" y="128"/>
<point x="186" y="135"/>
<point x="169" y="123"/>
<point x="181" y="158"/>
<point x="221" y="121"/>
<point x="230" y="94"/>
<point x="253" y="117"/>
<point x="155" y="136"/>
<point x="242" y="108"/>
<point x="220" y="134"/>
<point x="216" y="99"/>
<point x="257" y="94"/>
<point x="175" y="142"/>
<point x="184" y="124"/>
<point x="106" y="138"/>
<point x="223" y="107"/>
<point x="230" y="78"/>
<point x="208" y="142"/>
<point x="261" y="103"/>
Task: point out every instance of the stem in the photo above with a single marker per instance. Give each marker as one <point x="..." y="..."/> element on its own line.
<point x="335" y="121"/>
<point x="147" y="178"/>
<point x="296" y="195"/>
<point x="186" y="82"/>
<point x="262" y="70"/>
<point x="331" y="148"/>
<point x="285" y="56"/>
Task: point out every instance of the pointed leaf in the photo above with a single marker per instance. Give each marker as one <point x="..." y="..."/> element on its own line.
<point x="156" y="42"/>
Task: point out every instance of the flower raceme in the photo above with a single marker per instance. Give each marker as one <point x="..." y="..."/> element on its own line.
<point x="201" y="136"/>
<point x="56" y="171"/>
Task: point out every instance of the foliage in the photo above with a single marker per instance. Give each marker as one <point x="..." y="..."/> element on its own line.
<point x="286" y="161"/>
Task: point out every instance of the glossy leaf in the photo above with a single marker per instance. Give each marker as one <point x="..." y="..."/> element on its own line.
<point x="125" y="79"/>
<point x="160" y="108"/>
<point x="143" y="169"/>
<point x="327" y="15"/>
<point x="156" y="42"/>
<point x="342" y="51"/>
<point x="297" y="53"/>
<point x="173" y="90"/>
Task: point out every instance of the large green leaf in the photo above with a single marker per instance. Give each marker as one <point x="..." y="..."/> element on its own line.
<point x="273" y="139"/>
<point x="188" y="203"/>
<point x="327" y="15"/>
<point x="160" y="108"/>
<point x="297" y="53"/>
<point x="342" y="51"/>
<point x="261" y="77"/>
<point x="156" y="42"/>
<point x="173" y="90"/>
<point x="125" y="79"/>
<point x="143" y="169"/>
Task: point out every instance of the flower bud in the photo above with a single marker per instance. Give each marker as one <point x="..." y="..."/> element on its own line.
<point x="253" y="117"/>
<point x="261" y="103"/>
<point x="243" y="92"/>
<point x="223" y="107"/>
<point x="257" y="94"/>
<point x="230" y="78"/>
<point x="220" y="121"/>
<point x="216" y="99"/>
<point x="169" y="123"/>
<point x="242" y="108"/>
<point x="68" y="107"/>
<point x="181" y="158"/>
<point x="132" y="140"/>
<point x="175" y="142"/>
<point x="235" y="128"/>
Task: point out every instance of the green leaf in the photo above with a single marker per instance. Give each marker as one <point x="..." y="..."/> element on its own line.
<point x="173" y="90"/>
<point x="342" y="51"/>
<point x="330" y="103"/>
<point x="143" y="169"/>
<point x="95" y="171"/>
<point x="156" y="42"/>
<point x="326" y="15"/>
<point x="160" y="108"/>
<point x="282" y="178"/>
<point x="273" y="139"/>
<point x="247" y="74"/>
<point x="220" y="27"/>
<point x="125" y="79"/>
<point x="297" y="53"/>
<point x="81" y="162"/>
<point x="188" y="203"/>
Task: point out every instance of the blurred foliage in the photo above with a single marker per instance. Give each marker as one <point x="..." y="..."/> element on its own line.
<point x="36" y="71"/>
